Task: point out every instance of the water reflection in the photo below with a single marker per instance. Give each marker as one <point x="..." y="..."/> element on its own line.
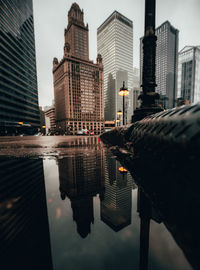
<point x="87" y="197"/>
<point x="81" y="178"/>
<point x="24" y="231"/>
<point x="116" y="202"/>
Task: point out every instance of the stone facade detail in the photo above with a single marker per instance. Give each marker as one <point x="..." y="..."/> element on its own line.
<point x="78" y="82"/>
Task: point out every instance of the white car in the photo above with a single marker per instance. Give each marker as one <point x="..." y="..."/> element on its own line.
<point x="79" y="132"/>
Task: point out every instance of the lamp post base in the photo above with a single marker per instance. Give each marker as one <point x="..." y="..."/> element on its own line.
<point x="142" y="112"/>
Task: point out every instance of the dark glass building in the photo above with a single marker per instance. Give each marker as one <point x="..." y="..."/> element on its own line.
<point x="19" y="109"/>
<point x="24" y="229"/>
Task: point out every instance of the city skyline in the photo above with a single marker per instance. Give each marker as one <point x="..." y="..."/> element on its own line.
<point x="49" y="27"/>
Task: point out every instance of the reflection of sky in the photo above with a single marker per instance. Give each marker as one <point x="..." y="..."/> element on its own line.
<point x="103" y="248"/>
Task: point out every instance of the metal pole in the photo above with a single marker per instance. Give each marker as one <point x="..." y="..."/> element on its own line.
<point x="144" y="209"/>
<point x="149" y="53"/>
<point x="148" y="95"/>
<point x="123" y="110"/>
<point x="144" y="243"/>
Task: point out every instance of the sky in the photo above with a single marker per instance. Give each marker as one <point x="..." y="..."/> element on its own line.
<point x="51" y="18"/>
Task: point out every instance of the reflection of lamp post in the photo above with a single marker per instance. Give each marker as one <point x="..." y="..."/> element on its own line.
<point x="122" y="170"/>
<point x="123" y="92"/>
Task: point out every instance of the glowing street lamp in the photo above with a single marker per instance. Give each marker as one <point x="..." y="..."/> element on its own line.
<point x="119" y="113"/>
<point x="123" y="92"/>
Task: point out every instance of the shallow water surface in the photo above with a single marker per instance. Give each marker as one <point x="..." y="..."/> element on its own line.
<point x="76" y="211"/>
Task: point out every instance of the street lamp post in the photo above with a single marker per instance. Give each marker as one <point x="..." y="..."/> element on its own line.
<point x="148" y="96"/>
<point x="123" y="92"/>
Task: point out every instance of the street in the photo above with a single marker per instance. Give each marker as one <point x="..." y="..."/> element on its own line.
<point x="43" y="145"/>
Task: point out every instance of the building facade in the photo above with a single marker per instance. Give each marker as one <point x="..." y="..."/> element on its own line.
<point x="50" y="119"/>
<point x="136" y="101"/>
<point x="78" y="82"/>
<point x="136" y="88"/>
<point x="18" y="79"/>
<point x="115" y="44"/>
<point x="189" y="74"/>
<point x="166" y="63"/>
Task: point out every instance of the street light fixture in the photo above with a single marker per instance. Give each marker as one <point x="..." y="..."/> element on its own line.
<point x="123" y="92"/>
<point x="119" y="113"/>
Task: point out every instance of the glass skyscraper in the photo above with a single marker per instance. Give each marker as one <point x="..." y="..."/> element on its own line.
<point x="18" y="79"/>
<point x="115" y="44"/>
<point x="189" y="74"/>
<point x="166" y="63"/>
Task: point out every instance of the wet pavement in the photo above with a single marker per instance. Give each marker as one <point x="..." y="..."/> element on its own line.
<point x="65" y="204"/>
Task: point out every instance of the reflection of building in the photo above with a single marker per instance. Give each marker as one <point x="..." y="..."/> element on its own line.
<point x="116" y="203"/>
<point x="189" y="74"/>
<point x="166" y="63"/>
<point x="18" y="79"/>
<point x="115" y="44"/>
<point x="24" y="230"/>
<point x="78" y="82"/>
<point x="50" y="116"/>
<point x="81" y="178"/>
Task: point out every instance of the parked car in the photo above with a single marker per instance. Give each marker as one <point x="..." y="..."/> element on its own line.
<point x="38" y="134"/>
<point x="82" y="132"/>
<point x="79" y="132"/>
<point x="85" y="132"/>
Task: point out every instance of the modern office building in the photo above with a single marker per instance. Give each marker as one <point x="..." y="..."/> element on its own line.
<point x="166" y="63"/>
<point x="24" y="233"/>
<point x="136" y="101"/>
<point x="136" y="88"/>
<point x="19" y="108"/>
<point x="189" y="74"/>
<point x="78" y="82"/>
<point x="115" y="44"/>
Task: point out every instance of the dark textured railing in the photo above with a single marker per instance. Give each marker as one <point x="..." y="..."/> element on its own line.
<point x="180" y="126"/>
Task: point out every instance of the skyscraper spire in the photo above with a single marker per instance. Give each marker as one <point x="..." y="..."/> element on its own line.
<point x="76" y="34"/>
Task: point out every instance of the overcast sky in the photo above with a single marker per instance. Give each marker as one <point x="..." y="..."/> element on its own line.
<point x="50" y="18"/>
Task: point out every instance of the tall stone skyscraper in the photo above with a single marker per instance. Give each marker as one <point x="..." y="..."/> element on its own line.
<point x="189" y="74"/>
<point x="18" y="79"/>
<point x="166" y="63"/>
<point x="78" y="82"/>
<point x="115" y="44"/>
